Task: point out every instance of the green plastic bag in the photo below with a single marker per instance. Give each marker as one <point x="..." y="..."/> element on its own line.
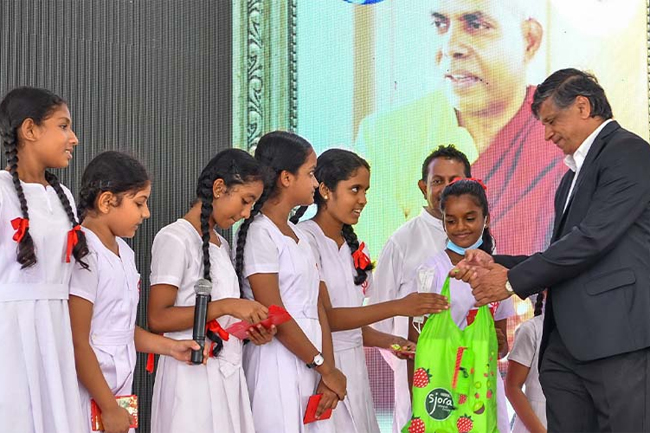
<point x="454" y="383"/>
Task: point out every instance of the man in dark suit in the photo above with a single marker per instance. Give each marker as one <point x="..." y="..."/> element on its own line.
<point x="595" y="354"/>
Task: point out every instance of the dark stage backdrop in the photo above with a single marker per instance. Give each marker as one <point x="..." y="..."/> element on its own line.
<point x="152" y="78"/>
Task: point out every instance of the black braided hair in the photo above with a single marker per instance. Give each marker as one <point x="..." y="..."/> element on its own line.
<point x="234" y="167"/>
<point x="334" y="166"/>
<point x="474" y="189"/>
<point x="111" y="171"/>
<point x="80" y="250"/>
<point x="278" y="151"/>
<point x="17" y="106"/>
<point x="539" y="304"/>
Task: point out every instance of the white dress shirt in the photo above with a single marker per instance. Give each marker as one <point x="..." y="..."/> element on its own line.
<point x="575" y="161"/>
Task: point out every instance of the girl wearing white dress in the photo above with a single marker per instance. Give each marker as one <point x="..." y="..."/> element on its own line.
<point x="212" y="397"/>
<point x="344" y="179"/>
<point x="278" y="267"/>
<point x="105" y="290"/>
<point x="39" y="241"/>
<point x="529" y="404"/>
<point x="466" y="221"/>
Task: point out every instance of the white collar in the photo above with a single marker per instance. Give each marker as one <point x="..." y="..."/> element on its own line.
<point x="430" y="219"/>
<point x="575" y="161"/>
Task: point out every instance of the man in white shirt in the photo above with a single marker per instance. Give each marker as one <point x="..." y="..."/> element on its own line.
<point x="405" y="251"/>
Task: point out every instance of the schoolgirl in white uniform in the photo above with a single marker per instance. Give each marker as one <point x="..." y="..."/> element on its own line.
<point x="214" y="397"/>
<point x="39" y="241"/>
<point x="105" y="289"/>
<point x="344" y="179"/>
<point x="466" y="220"/>
<point x="277" y="265"/>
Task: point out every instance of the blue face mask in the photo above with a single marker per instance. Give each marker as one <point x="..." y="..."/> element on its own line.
<point x="460" y="250"/>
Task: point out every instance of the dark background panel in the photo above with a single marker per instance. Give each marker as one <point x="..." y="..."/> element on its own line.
<point x="151" y="78"/>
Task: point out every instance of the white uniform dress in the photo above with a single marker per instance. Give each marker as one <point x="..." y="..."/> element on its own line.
<point x="410" y="246"/>
<point x="525" y="351"/>
<point x="356" y="413"/>
<point x="279" y="383"/>
<point x="38" y="381"/>
<point x="111" y="284"/>
<point x="461" y="302"/>
<point x="198" y="398"/>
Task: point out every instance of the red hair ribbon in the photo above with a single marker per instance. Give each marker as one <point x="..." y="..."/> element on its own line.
<point x="72" y="241"/>
<point x="215" y="327"/>
<point x="150" y="359"/>
<point x="20" y="225"/>
<point x="473" y="179"/>
<point x="361" y="259"/>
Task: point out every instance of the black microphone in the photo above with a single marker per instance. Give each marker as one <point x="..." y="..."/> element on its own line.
<point x="202" y="288"/>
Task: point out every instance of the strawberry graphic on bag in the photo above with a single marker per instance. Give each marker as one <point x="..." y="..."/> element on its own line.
<point x="462" y="399"/>
<point x="421" y="378"/>
<point x="417" y="426"/>
<point x="464" y="424"/>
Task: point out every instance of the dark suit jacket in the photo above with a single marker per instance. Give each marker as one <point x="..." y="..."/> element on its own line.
<point x="597" y="268"/>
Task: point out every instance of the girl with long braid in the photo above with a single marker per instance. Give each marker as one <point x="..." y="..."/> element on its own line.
<point x="40" y="239"/>
<point x="212" y="397"/>
<point x="277" y="267"/>
<point x="344" y="179"/>
<point x="104" y="294"/>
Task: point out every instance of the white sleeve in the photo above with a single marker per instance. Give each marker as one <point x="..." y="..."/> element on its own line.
<point x="387" y="278"/>
<point x="524" y="348"/>
<point x="168" y="259"/>
<point x="84" y="283"/>
<point x="261" y="254"/>
<point x="313" y="244"/>
<point x="504" y="310"/>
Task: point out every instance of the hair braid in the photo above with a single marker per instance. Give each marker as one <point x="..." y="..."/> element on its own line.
<point x="295" y="218"/>
<point x="353" y="242"/>
<point x="243" y="232"/>
<point x="26" y="254"/>
<point x="80" y="250"/>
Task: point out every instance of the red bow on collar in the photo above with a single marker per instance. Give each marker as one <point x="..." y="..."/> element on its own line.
<point x="72" y="241"/>
<point x="20" y="225"/>
<point x="473" y="179"/>
<point x="215" y="327"/>
<point x="361" y="259"/>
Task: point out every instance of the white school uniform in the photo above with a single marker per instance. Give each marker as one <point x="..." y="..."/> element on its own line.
<point x="525" y="351"/>
<point x="355" y="414"/>
<point x="461" y="302"/>
<point x="410" y="246"/>
<point x="38" y="381"/>
<point x="279" y="383"/>
<point x="198" y="398"/>
<point x="111" y="283"/>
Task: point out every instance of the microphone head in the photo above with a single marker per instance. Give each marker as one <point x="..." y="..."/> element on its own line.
<point x="203" y="287"/>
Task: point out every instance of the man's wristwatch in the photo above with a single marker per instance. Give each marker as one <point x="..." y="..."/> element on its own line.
<point x="509" y="288"/>
<point x="317" y="362"/>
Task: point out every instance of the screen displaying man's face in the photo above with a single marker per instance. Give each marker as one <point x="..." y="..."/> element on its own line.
<point x="480" y="49"/>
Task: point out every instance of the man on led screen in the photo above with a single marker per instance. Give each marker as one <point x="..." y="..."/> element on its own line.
<point x="482" y="49"/>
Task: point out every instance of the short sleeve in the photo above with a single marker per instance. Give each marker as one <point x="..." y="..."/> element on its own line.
<point x="313" y="244"/>
<point x="524" y="348"/>
<point x="261" y="253"/>
<point x="504" y="310"/>
<point x="84" y="283"/>
<point x="387" y="278"/>
<point x="168" y="259"/>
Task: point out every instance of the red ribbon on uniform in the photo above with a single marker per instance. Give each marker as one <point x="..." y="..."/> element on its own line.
<point x="361" y="259"/>
<point x="72" y="241"/>
<point x="215" y="327"/>
<point x="20" y="225"/>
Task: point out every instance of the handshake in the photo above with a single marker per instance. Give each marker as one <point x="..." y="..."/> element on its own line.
<point x="487" y="278"/>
